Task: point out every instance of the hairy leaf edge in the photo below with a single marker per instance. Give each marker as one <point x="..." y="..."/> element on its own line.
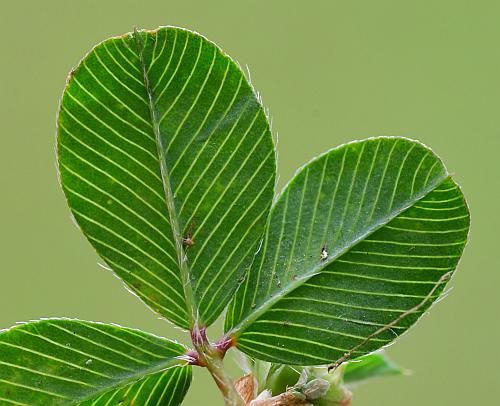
<point x="234" y="331"/>
<point x="257" y="95"/>
<point x="181" y="361"/>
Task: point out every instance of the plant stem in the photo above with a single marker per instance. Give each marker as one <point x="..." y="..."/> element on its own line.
<point x="224" y="382"/>
<point x="211" y="358"/>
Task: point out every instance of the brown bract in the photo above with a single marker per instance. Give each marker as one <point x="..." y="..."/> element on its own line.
<point x="284" y="399"/>
<point x="247" y="388"/>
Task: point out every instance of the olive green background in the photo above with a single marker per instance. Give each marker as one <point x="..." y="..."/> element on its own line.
<point x="330" y="72"/>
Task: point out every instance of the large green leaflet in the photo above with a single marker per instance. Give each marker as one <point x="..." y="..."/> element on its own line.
<point x="71" y="362"/>
<point x="162" y="143"/>
<point x="359" y="237"/>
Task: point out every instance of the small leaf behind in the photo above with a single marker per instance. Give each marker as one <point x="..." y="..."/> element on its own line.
<point x="370" y="366"/>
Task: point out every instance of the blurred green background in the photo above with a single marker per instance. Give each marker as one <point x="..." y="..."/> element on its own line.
<point x="330" y="72"/>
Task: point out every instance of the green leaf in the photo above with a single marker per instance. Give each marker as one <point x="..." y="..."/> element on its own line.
<point x="360" y="236"/>
<point x="72" y="362"/>
<point x="163" y="388"/>
<point x="370" y="366"/>
<point x="162" y="143"/>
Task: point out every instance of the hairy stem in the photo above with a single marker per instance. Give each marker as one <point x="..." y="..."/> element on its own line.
<point x="212" y="358"/>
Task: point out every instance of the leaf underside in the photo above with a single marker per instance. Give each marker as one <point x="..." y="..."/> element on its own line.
<point x="72" y="362"/>
<point x="161" y="140"/>
<point x="360" y="236"/>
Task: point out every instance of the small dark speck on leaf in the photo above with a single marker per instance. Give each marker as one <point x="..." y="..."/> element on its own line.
<point x="324" y="253"/>
<point x="188" y="242"/>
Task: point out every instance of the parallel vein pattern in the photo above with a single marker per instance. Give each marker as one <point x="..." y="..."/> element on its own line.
<point x="359" y="237"/>
<point x="161" y="138"/>
<point x="160" y="389"/>
<point x="71" y="362"/>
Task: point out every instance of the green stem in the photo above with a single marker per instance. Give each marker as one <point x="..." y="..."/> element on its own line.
<point x="212" y="358"/>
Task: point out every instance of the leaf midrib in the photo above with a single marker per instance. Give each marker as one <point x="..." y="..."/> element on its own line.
<point x="235" y="331"/>
<point x="167" y="188"/>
